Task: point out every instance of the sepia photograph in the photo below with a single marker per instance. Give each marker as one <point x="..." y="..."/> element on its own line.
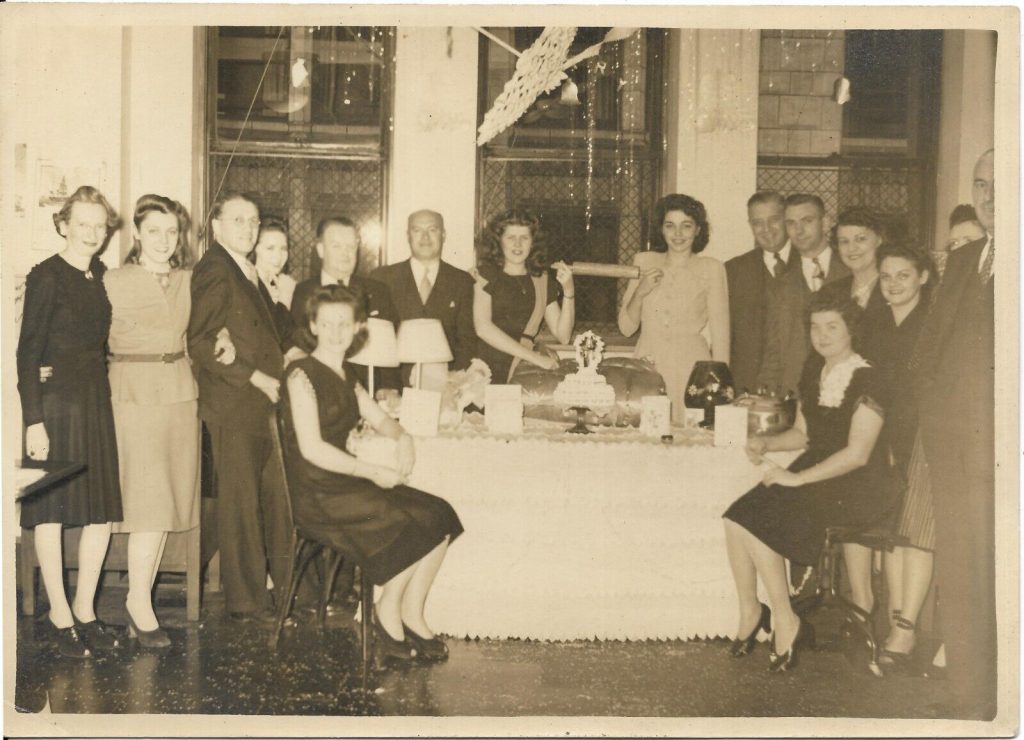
<point x="425" y="370"/>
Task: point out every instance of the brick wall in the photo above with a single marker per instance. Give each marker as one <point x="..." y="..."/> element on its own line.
<point x="796" y="114"/>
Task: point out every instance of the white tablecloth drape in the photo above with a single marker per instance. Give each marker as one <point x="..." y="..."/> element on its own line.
<point x="572" y="537"/>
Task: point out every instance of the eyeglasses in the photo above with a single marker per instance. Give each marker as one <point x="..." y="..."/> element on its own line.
<point x="240" y="222"/>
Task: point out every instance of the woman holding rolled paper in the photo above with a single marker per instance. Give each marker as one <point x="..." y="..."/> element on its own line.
<point x="678" y="294"/>
<point x="515" y="294"/>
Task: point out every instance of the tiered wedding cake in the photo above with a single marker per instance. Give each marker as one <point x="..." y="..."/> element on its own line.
<point x="585" y="387"/>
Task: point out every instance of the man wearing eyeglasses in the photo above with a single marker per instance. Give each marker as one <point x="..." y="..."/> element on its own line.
<point x="236" y="401"/>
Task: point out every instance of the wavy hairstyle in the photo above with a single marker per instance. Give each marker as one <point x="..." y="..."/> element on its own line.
<point x="87" y="194"/>
<point x="692" y="208"/>
<point x="489" y="247"/>
<point x="863" y="217"/>
<point x="270" y="223"/>
<point x="151" y="203"/>
<point x="330" y="294"/>
<point x="919" y="259"/>
<point x="840" y="302"/>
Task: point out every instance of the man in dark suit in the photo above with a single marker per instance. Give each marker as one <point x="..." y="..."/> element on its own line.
<point x="956" y="377"/>
<point x="236" y="401"/>
<point x="787" y="343"/>
<point x="424" y="286"/>
<point x="337" y="245"/>
<point x="750" y="276"/>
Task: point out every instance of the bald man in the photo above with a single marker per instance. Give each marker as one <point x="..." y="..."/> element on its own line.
<point x="424" y="286"/>
<point x="956" y="374"/>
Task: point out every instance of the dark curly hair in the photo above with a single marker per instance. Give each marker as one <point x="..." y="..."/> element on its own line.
<point x="919" y="259"/>
<point x="151" y="203"/>
<point x="489" y="246"/>
<point x="860" y="216"/>
<point x="270" y="223"/>
<point x="840" y="302"/>
<point x="328" y="294"/>
<point x="692" y="208"/>
<point x="962" y="214"/>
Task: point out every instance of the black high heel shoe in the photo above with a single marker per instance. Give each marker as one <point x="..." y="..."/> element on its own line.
<point x="150" y="639"/>
<point x="386" y="649"/>
<point x="97" y="635"/>
<point x="433" y="649"/>
<point x="788" y="660"/>
<point x="743" y="648"/>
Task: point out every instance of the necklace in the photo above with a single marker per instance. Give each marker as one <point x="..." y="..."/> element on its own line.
<point x="162" y="277"/>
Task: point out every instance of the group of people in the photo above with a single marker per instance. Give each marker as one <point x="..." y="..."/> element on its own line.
<point x="117" y="368"/>
<point x="895" y="383"/>
<point x="895" y="418"/>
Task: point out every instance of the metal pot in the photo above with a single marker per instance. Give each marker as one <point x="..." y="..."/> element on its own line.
<point x="768" y="415"/>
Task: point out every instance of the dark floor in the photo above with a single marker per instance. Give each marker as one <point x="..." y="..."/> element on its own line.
<point x="216" y="666"/>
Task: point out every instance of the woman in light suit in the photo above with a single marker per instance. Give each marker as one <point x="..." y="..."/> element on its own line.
<point x="154" y="398"/>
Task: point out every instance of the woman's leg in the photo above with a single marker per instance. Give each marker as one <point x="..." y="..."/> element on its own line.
<point x="858" y="568"/>
<point x="415" y="596"/>
<point x="917" y="579"/>
<point x="893" y="567"/>
<point x="92" y="550"/>
<point x="49" y="553"/>
<point x="772" y="568"/>
<point x="144" y="550"/>
<point x="745" y="577"/>
<point x="388" y="608"/>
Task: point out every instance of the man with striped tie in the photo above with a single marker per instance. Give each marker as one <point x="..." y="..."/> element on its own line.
<point x="786" y="345"/>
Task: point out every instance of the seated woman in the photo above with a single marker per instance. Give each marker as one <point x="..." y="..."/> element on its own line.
<point x="396" y="534"/>
<point x="842" y="479"/>
<point x="514" y="294"/>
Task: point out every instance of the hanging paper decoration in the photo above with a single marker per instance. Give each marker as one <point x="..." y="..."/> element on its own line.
<point x="538" y="70"/>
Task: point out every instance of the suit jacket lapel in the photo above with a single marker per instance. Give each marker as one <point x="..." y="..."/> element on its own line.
<point x="437" y="293"/>
<point x="254" y="293"/>
<point x="410" y="288"/>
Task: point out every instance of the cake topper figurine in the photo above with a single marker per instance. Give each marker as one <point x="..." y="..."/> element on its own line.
<point x="589" y="352"/>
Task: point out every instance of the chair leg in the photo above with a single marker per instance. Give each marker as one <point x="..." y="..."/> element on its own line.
<point x="334" y="560"/>
<point x="193" y="574"/>
<point x="28" y="572"/>
<point x="366" y="631"/>
<point x="302" y="551"/>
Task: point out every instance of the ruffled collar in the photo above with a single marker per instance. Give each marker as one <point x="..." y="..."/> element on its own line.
<point x="833" y="385"/>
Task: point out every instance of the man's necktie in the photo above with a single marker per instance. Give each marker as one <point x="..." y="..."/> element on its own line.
<point x="779" y="266"/>
<point x="425" y="287"/>
<point x="986" y="266"/>
<point x="818" y="277"/>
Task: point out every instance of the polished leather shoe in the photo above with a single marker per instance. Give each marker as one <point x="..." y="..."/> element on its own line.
<point x="386" y="649"/>
<point x="742" y="648"/>
<point x="99" y="636"/>
<point x="787" y="661"/>
<point x="265" y="618"/>
<point x="68" y="641"/>
<point x="433" y="649"/>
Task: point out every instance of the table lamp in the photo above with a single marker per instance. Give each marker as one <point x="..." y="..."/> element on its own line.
<point x="710" y="385"/>
<point x="380" y="349"/>
<point x="421" y="341"/>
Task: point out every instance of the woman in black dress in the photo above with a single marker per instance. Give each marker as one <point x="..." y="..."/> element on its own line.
<point x="396" y="534"/>
<point x="514" y="293"/>
<point x="904" y="279"/>
<point x="842" y="478"/>
<point x="65" y="401"/>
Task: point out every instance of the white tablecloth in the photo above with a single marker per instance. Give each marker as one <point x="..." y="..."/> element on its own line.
<point x="568" y="537"/>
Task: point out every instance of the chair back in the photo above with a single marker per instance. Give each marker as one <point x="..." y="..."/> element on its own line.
<point x="277" y="437"/>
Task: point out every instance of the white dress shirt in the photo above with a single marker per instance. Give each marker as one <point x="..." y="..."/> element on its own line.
<point x="984" y="254"/>
<point x="807" y="264"/>
<point x="769" y="257"/>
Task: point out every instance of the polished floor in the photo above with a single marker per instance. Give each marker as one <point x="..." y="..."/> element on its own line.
<point x="216" y="666"/>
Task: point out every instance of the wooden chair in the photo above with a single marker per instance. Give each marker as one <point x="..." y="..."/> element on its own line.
<point x="305" y="546"/>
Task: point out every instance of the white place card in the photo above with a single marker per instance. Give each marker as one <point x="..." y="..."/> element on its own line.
<point x="655" y="416"/>
<point x="730" y="426"/>
<point x="421" y="412"/>
<point x="503" y="409"/>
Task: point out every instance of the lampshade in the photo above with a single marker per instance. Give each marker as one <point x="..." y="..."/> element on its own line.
<point x="381" y="349"/>
<point x="423" y="340"/>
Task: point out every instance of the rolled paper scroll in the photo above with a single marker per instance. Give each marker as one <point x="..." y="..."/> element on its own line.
<point x="599" y="269"/>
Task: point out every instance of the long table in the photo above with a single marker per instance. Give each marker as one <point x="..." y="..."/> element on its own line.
<point x="609" y="536"/>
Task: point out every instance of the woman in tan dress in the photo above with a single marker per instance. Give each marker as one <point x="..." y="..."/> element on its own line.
<point x="678" y="294"/>
<point x="154" y="398"/>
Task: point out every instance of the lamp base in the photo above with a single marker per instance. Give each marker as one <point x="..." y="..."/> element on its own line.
<point x="709" y="417"/>
<point x="581" y="415"/>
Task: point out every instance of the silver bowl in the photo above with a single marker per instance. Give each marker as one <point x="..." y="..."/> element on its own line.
<point x="768" y="415"/>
